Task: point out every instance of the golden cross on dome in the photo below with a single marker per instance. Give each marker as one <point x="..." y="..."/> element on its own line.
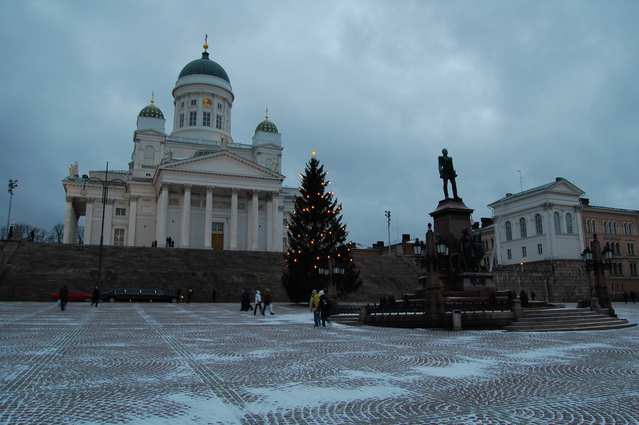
<point x="206" y="41"/>
<point x="152" y="97"/>
<point x="266" y="114"/>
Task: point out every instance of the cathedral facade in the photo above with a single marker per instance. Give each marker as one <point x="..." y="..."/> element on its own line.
<point x="193" y="188"/>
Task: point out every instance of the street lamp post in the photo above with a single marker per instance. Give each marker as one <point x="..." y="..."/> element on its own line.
<point x="388" y="220"/>
<point x="12" y="185"/>
<point x="428" y="257"/>
<point x="598" y="261"/>
<point x="105" y="194"/>
<point x="330" y="271"/>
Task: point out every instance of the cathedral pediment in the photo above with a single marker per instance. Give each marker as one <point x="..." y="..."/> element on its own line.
<point x="221" y="163"/>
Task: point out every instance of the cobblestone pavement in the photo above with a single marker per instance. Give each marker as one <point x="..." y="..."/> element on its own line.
<point x="212" y="364"/>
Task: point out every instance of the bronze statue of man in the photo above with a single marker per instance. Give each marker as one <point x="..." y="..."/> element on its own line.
<point x="447" y="172"/>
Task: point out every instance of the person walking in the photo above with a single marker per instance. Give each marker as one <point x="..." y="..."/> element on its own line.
<point x="625" y="297"/>
<point x="325" y="308"/>
<point x="246" y="301"/>
<point x="189" y="294"/>
<point x="633" y="296"/>
<point x="314" y="306"/>
<point x="63" y="297"/>
<point x="96" y="296"/>
<point x="213" y="295"/>
<point x="258" y="302"/>
<point x="267" y="302"/>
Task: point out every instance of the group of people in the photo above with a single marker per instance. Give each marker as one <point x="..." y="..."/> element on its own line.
<point x="321" y="307"/>
<point x="262" y="302"/>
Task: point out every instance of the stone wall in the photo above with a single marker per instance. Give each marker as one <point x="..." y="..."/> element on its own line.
<point x="553" y="281"/>
<point x="31" y="271"/>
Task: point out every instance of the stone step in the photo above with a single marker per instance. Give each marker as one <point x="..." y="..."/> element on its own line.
<point x="566" y="320"/>
<point x="568" y="328"/>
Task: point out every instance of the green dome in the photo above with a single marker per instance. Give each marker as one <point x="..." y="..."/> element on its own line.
<point x="266" y="125"/>
<point x="151" y="111"/>
<point x="205" y="66"/>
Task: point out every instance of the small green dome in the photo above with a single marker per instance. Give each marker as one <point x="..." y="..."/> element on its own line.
<point x="205" y="66"/>
<point x="151" y="111"/>
<point x="266" y="125"/>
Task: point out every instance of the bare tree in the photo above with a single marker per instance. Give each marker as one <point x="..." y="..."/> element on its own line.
<point x="80" y="239"/>
<point x="56" y="235"/>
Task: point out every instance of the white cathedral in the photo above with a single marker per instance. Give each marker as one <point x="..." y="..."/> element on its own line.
<point x="195" y="187"/>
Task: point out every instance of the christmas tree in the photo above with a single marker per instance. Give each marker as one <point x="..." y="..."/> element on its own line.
<point x="317" y="241"/>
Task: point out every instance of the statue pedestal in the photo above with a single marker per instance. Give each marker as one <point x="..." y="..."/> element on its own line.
<point x="469" y="282"/>
<point x="449" y="219"/>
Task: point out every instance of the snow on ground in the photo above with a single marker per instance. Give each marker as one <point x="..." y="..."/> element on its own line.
<point x="148" y="364"/>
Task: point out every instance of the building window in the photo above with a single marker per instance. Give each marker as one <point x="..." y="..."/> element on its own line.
<point x="193" y="102"/>
<point x="509" y="254"/>
<point x="217" y="227"/>
<point x="540" y="249"/>
<point x="539" y="225"/>
<point x="628" y="229"/>
<point x="631" y="248"/>
<point x="618" y="248"/>
<point x="181" y="104"/>
<point x="219" y="105"/>
<point x="569" y="223"/>
<point x="633" y="269"/>
<point x="589" y="226"/>
<point x="615" y="228"/>
<point x="557" y="221"/>
<point x="206" y="119"/>
<point x="218" y="122"/>
<point x="523" y="251"/>
<point x="120" y="211"/>
<point x="522" y="228"/>
<point x="181" y="123"/>
<point x="118" y="237"/>
<point x="192" y="118"/>
<point x="509" y="231"/>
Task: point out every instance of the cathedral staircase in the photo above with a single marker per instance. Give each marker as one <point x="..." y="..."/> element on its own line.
<point x="565" y="320"/>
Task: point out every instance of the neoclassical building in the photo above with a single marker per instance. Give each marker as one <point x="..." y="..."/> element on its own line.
<point x="196" y="186"/>
<point x="543" y="223"/>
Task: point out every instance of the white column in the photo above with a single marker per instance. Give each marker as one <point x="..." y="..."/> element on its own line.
<point x="234" y="192"/>
<point x="69" y="217"/>
<point x="208" y="217"/>
<point x="275" y="223"/>
<point x="269" y="221"/>
<point x="108" y="222"/>
<point x="186" y="216"/>
<point x="88" y="221"/>
<point x="254" y="223"/>
<point x="133" y="212"/>
<point x="162" y="214"/>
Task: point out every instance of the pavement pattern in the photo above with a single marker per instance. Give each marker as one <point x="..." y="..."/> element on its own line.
<point x="156" y="363"/>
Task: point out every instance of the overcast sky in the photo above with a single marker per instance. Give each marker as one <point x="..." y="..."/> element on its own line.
<point x="537" y="89"/>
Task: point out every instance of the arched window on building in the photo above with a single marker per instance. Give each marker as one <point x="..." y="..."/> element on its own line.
<point x="557" y="220"/>
<point x="569" y="229"/>
<point x="615" y="228"/>
<point x="618" y="246"/>
<point x="522" y="228"/>
<point x="539" y="225"/>
<point x="509" y="231"/>
<point x="589" y="226"/>
<point x="594" y="226"/>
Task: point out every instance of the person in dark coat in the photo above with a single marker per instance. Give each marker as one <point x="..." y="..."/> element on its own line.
<point x="633" y="296"/>
<point x="325" y="308"/>
<point x="63" y="297"/>
<point x="268" y="303"/>
<point x="213" y="296"/>
<point x="189" y="294"/>
<point x="96" y="296"/>
<point x="246" y="301"/>
<point x="625" y="297"/>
